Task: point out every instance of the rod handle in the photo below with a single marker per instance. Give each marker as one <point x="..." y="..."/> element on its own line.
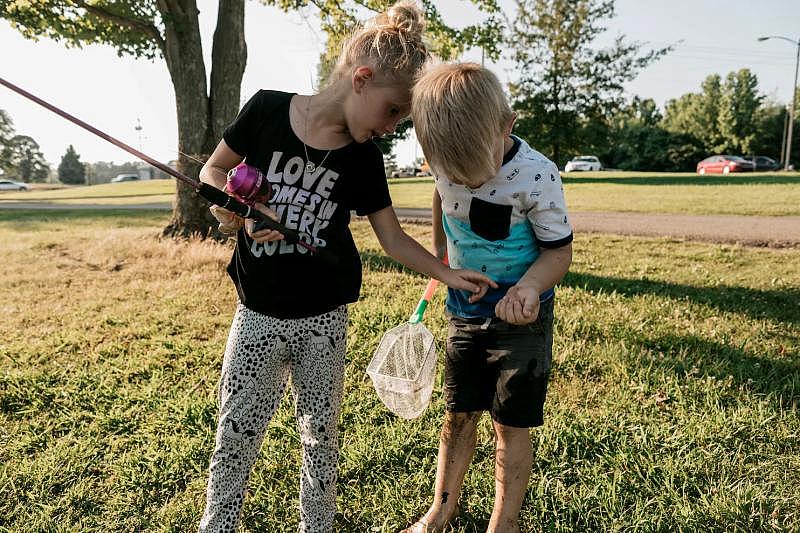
<point x="221" y="199"/>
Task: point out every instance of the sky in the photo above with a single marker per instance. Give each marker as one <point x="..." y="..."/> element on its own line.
<point x="119" y="95"/>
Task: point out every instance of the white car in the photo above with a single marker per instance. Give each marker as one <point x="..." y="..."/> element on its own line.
<point x="125" y="177"/>
<point x="583" y="162"/>
<point x="8" y="185"/>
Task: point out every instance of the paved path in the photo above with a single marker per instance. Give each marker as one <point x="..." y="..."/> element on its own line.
<point x="774" y="232"/>
<point x="777" y="232"/>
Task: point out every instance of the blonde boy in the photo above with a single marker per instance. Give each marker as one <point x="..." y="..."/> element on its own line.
<point x="499" y="209"/>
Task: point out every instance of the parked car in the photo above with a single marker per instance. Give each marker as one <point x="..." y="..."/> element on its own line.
<point x="724" y="164"/>
<point x="8" y="185"/>
<point x="583" y="162"/>
<point x="124" y="177"/>
<point x="404" y="172"/>
<point x="766" y="163"/>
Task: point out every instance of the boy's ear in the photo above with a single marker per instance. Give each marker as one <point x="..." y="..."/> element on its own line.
<point x="361" y="75"/>
<point x="510" y="126"/>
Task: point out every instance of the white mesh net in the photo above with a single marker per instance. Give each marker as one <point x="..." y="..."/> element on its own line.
<point x="403" y="369"/>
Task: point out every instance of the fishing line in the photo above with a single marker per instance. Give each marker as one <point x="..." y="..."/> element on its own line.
<point x="205" y="190"/>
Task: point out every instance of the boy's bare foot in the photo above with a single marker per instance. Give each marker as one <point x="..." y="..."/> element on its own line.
<point x="428" y="524"/>
<point x="420" y="526"/>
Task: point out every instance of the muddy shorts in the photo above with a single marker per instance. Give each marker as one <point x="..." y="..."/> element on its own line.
<point x="495" y="366"/>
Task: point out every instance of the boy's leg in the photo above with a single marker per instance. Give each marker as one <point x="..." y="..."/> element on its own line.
<point x="512" y="470"/>
<point x="317" y="377"/>
<point x="468" y="388"/>
<point x="254" y="375"/>
<point x="524" y="354"/>
<point x="456" y="447"/>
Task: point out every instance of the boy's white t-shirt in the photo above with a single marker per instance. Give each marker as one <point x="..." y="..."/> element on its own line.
<point x="499" y="228"/>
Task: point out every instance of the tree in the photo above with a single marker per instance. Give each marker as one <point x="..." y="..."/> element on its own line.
<point x="6" y="134"/>
<point x="697" y="114"/>
<point x="71" y="170"/>
<point x="771" y="119"/>
<point x="27" y="160"/>
<point x="636" y="141"/>
<point x="566" y="89"/>
<point x="170" y="29"/>
<point x="738" y="108"/>
<point x="724" y="116"/>
<point x="20" y="155"/>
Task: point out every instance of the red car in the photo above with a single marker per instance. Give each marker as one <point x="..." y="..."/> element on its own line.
<point x="724" y="164"/>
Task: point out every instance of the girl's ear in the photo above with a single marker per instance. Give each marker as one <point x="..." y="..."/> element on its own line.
<point x="510" y="126"/>
<point x="361" y="75"/>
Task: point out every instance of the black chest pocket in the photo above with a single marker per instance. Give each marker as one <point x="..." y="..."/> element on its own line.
<point x="488" y="220"/>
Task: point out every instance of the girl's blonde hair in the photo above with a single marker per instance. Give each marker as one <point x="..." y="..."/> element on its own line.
<point x="391" y="43"/>
<point x="459" y="110"/>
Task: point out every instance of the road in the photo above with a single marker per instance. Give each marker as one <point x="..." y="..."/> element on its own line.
<point x="774" y="232"/>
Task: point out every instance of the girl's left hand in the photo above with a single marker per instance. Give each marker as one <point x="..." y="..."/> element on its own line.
<point x="263" y="235"/>
<point x="469" y="280"/>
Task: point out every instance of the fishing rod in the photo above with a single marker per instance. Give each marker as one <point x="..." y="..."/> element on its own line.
<point x="207" y="191"/>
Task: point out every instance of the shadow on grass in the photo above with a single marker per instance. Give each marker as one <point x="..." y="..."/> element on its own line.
<point x="730" y="179"/>
<point x="375" y="260"/>
<point x="778" y="305"/>
<point x="690" y="354"/>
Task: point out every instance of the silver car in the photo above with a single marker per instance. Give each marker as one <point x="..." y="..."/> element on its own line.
<point x="8" y="185"/>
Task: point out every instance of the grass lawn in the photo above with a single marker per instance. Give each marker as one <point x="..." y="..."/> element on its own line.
<point x="775" y="193"/>
<point x="129" y="192"/>
<point x="746" y="194"/>
<point x="674" y="401"/>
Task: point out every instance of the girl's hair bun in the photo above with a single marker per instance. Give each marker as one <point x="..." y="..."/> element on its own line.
<point x="392" y="42"/>
<point x="407" y="18"/>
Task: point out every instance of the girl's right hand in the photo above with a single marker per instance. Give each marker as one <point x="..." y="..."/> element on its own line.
<point x="229" y="223"/>
<point x="475" y="282"/>
<point x="263" y="235"/>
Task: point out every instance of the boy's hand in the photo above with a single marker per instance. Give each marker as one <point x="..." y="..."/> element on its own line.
<point x="519" y="306"/>
<point x="229" y="222"/>
<point x="468" y="280"/>
<point x="266" y="234"/>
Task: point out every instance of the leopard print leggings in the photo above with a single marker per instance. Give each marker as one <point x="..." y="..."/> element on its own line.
<point x="262" y="352"/>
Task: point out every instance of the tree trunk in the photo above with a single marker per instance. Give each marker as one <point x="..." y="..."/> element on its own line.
<point x="228" y="60"/>
<point x="201" y="117"/>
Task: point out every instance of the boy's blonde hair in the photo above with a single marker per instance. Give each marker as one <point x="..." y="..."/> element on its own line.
<point x="391" y="42"/>
<point x="459" y="111"/>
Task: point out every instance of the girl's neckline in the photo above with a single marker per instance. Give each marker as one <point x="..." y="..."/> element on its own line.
<point x="300" y="139"/>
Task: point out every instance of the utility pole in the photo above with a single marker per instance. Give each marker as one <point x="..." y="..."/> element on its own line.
<point x="138" y="129"/>
<point x="792" y="96"/>
<point x="783" y="133"/>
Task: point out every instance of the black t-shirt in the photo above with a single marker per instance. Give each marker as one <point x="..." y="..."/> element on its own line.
<point x="285" y="280"/>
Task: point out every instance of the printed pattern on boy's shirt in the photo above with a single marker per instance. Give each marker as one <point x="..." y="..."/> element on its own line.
<point x="499" y="227"/>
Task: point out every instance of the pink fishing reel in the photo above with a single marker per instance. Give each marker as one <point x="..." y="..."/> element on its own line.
<point x="248" y="184"/>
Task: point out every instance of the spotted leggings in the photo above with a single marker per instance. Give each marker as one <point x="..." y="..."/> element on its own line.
<point x="262" y="352"/>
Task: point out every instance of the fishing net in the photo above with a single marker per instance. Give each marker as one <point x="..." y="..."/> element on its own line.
<point x="403" y="369"/>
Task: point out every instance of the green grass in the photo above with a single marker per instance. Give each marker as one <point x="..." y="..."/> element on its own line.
<point x="673" y="404"/>
<point x="775" y="193"/>
<point x="747" y="194"/>
<point x="129" y="192"/>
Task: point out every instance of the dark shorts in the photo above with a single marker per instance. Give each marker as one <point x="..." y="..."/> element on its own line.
<point x="499" y="367"/>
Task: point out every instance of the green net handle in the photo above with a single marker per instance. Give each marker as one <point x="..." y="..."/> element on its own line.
<point x="416" y="317"/>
